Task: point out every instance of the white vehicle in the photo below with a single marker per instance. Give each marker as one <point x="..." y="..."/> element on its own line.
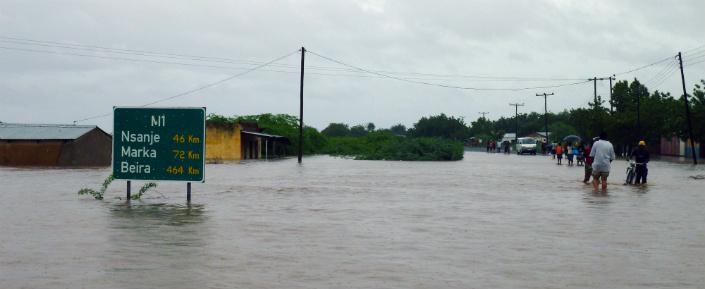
<point x="526" y="145"/>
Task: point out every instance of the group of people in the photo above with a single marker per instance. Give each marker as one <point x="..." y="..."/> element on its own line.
<point x="597" y="158"/>
<point x="493" y="147"/>
<point x="571" y="152"/>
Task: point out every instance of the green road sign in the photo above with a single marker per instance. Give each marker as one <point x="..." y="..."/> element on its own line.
<point x="159" y="144"/>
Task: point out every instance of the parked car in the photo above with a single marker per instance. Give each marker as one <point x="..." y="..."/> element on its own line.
<point x="526" y="145"/>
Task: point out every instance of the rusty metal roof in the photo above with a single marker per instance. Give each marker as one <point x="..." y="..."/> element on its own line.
<point x="22" y="131"/>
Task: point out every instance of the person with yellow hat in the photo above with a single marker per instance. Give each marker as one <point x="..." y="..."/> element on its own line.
<point x="641" y="157"/>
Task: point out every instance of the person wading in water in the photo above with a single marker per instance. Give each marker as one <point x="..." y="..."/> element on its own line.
<point x="602" y="153"/>
<point x="588" y="162"/>
<point x="641" y="157"/>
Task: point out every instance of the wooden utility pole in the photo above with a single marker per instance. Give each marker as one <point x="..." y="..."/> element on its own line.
<point x="516" y="118"/>
<point x="301" y="106"/>
<point x="594" y="80"/>
<point x="545" y="112"/>
<point x="687" y="112"/>
<point x="611" y="78"/>
<point x="483" y="114"/>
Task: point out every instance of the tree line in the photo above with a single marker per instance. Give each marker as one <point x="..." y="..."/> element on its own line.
<point x="634" y="113"/>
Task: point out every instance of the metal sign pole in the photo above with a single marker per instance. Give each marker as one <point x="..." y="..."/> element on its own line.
<point x="188" y="192"/>
<point x="128" y="191"/>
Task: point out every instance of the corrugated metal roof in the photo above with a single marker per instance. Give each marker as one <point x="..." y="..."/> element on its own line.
<point x="21" y="131"/>
<point x="262" y="134"/>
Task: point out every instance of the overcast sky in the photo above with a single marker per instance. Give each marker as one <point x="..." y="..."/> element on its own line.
<point x="560" y="42"/>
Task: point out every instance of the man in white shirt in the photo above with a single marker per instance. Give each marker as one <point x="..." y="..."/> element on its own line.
<point x="603" y="155"/>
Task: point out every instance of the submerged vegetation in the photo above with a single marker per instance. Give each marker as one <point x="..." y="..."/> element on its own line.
<point x="100" y="193"/>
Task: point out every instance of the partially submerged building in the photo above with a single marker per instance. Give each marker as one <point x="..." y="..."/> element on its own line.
<point x="54" y="145"/>
<point x="242" y="141"/>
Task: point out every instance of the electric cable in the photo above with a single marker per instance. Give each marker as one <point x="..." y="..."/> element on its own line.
<point x="144" y="53"/>
<point x="438" y="84"/>
<point x="198" y="88"/>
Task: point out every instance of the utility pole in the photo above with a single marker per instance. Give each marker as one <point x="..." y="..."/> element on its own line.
<point x="301" y="106"/>
<point x="611" y="78"/>
<point x="516" y="118"/>
<point x="594" y="80"/>
<point x="483" y="114"/>
<point x="545" y="112"/>
<point x="687" y="112"/>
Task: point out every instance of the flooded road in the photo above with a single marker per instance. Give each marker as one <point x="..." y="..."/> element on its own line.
<point x="488" y="221"/>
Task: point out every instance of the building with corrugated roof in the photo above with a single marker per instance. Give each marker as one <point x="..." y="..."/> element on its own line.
<point x="54" y="145"/>
<point x="242" y="141"/>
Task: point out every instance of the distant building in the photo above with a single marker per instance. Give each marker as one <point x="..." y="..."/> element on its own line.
<point x="674" y="146"/>
<point x="54" y="145"/>
<point x="242" y="141"/>
<point x="539" y="136"/>
<point x="508" y="137"/>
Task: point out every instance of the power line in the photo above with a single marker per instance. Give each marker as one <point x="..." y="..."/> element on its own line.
<point x="644" y="66"/>
<point x="658" y="82"/>
<point x="438" y="84"/>
<point x="695" y="48"/>
<point x="693" y="63"/>
<point x="121" y="58"/>
<point x="691" y="59"/>
<point x="200" y="87"/>
<point x="479" y="78"/>
<point x="145" y="53"/>
<point x="663" y="72"/>
<point x="94" y="48"/>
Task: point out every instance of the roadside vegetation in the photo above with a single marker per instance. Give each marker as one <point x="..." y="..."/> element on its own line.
<point x="435" y="138"/>
<point x="441" y="137"/>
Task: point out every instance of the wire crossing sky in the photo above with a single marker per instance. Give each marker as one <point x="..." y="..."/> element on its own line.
<point x="378" y="61"/>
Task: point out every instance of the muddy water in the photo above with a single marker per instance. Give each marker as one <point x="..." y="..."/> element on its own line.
<point x="489" y="221"/>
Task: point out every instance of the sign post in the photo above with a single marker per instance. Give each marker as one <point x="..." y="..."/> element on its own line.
<point x="159" y="144"/>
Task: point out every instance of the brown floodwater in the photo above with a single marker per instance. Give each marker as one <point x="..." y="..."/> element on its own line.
<point x="488" y="221"/>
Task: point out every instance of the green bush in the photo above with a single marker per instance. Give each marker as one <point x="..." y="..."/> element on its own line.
<point x="387" y="146"/>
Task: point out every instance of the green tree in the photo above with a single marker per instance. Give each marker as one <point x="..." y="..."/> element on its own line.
<point x="398" y="129"/>
<point x="358" y="130"/>
<point x="441" y="126"/>
<point x="370" y="127"/>
<point x="559" y="130"/>
<point x="336" y="129"/>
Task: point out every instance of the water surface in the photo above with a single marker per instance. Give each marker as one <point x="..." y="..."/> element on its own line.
<point x="488" y="221"/>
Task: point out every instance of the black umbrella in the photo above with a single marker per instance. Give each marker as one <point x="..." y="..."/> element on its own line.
<point x="572" y="139"/>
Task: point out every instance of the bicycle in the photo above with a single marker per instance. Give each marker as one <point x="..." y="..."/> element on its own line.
<point x="631" y="173"/>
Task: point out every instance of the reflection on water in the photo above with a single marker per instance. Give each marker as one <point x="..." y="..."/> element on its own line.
<point x="155" y="214"/>
<point x="158" y="242"/>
